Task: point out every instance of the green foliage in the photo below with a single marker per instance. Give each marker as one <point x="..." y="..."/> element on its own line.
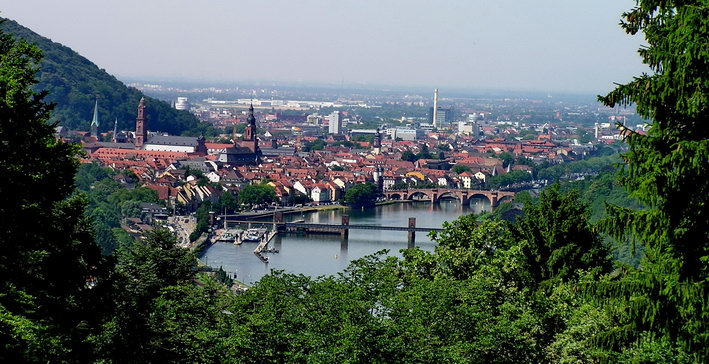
<point x="74" y="83"/>
<point x="47" y="309"/>
<point x="423" y="152"/>
<point x="361" y="195"/>
<point x="666" y="170"/>
<point x="510" y="178"/>
<point x="296" y="197"/>
<point x="409" y="156"/>
<point x="507" y="158"/>
<point x="588" y="166"/>
<point x="317" y="144"/>
<point x="258" y="194"/>
<point x="109" y="202"/>
<point x="227" y="201"/>
<point x="460" y="168"/>
<point x="143" y="270"/>
<point x="556" y="238"/>
<point x="202" y="215"/>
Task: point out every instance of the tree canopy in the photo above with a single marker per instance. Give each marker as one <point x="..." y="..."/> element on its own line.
<point x="361" y="195"/>
<point x="48" y="254"/>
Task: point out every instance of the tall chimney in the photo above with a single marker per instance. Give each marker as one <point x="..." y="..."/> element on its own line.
<point x="435" y="107"/>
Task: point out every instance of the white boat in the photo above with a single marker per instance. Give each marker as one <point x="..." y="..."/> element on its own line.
<point x="252" y="236"/>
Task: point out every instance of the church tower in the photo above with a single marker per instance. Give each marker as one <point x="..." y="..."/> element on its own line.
<point x="115" y="131"/>
<point x="141" y="127"/>
<point x="377" y="143"/>
<point x="94" y="121"/>
<point x="249" y="140"/>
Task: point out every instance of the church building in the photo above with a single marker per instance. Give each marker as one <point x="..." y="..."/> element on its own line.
<point x="245" y="151"/>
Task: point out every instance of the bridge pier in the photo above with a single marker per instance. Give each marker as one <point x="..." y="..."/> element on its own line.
<point x="345" y="232"/>
<point x="278" y="223"/>
<point x="412" y="233"/>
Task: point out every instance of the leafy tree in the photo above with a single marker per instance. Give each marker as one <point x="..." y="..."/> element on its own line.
<point x="409" y="156"/>
<point x="202" y="215"/>
<point x="143" y="269"/>
<point x="460" y="168"/>
<point x="258" y="194"/>
<point x="361" y="195"/>
<point x="48" y="256"/>
<point x="423" y="152"/>
<point x="296" y="197"/>
<point x="317" y="144"/>
<point x="666" y="169"/>
<point x="507" y="159"/>
<point x="227" y="201"/>
<point x="508" y="179"/>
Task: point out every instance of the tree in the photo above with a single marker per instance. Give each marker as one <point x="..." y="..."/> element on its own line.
<point x="48" y="255"/>
<point x="666" y="169"/>
<point x="409" y="156"/>
<point x="143" y="269"/>
<point x="507" y="179"/>
<point x="556" y="239"/>
<point x="317" y="144"/>
<point x="296" y="197"/>
<point x="258" y="194"/>
<point x="460" y="168"/>
<point x="423" y="152"/>
<point x="361" y="195"/>
<point x="227" y="201"/>
<point x="507" y="158"/>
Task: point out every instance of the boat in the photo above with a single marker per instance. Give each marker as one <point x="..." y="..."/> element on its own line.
<point x="252" y="236"/>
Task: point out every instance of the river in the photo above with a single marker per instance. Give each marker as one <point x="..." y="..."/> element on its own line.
<point x="317" y="255"/>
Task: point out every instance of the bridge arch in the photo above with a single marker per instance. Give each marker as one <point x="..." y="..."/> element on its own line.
<point x="419" y="196"/>
<point x="475" y="198"/>
<point x="449" y="195"/>
<point x="395" y="196"/>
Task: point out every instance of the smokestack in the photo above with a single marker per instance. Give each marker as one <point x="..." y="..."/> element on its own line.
<point x="435" y="107"/>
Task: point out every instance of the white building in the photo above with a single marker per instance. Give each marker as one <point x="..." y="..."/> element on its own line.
<point x="406" y="134"/>
<point x="334" y="123"/>
<point x="320" y="193"/>
<point x="182" y="103"/>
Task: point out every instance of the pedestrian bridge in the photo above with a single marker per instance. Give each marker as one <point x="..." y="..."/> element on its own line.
<point x="437" y="194"/>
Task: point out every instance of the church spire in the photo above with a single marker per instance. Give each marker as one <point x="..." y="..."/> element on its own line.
<point x="251" y="118"/>
<point x="94" y="121"/>
<point x="141" y="127"/>
<point x="115" y="131"/>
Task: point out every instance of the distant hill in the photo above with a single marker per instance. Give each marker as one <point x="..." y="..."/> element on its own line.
<point x="74" y="82"/>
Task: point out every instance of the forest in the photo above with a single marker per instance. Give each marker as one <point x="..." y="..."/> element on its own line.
<point x="543" y="288"/>
<point x="74" y="83"/>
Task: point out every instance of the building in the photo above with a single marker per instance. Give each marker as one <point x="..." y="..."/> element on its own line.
<point x="182" y="103"/>
<point x="141" y="127"/>
<point x="245" y="151"/>
<point x="468" y="128"/>
<point x="171" y="143"/>
<point x="406" y="134"/>
<point x="334" y="123"/>
<point x="377" y="143"/>
<point x="440" y="116"/>
<point x="274" y="150"/>
<point x="94" y="121"/>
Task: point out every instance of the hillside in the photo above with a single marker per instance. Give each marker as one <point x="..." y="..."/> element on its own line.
<point x="74" y="82"/>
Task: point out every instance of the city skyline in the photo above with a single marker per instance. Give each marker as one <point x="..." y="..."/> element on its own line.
<point x="547" y="47"/>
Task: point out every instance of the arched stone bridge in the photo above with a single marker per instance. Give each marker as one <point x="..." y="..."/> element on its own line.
<point x="436" y="194"/>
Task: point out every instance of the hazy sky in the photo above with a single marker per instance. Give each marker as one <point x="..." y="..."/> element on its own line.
<point x="543" y="45"/>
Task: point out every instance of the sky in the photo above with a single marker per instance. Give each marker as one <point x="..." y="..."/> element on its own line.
<point x="519" y="45"/>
